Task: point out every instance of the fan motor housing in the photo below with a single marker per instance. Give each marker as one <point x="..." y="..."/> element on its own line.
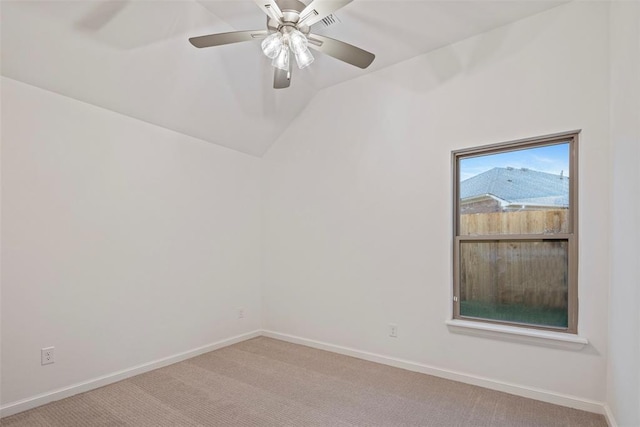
<point x="291" y="15"/>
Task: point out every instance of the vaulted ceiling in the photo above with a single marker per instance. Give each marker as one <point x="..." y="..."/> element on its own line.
<point x="133" y="57"/>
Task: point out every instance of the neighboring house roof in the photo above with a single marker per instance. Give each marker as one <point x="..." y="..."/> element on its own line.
<point x="518" y="186"/>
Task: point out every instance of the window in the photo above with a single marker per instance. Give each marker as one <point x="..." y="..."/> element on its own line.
<point x="515" y="233"/>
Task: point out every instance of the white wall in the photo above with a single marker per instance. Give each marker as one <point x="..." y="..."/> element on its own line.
<point x="624" y="328"/>
<point x="122" y="242"/>
<point x="358" y="197"/>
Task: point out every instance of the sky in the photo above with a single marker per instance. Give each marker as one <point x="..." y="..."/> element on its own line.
<point x="551" y="159"/>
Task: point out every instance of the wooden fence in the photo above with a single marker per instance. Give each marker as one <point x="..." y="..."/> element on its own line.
<point x="515" y="272"/>
<point x="515" y="222"/>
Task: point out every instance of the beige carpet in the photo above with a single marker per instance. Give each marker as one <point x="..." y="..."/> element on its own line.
<point x="266" y="382"/>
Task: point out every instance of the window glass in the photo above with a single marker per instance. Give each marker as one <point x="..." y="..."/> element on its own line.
<point x="516" y="192"/>
<point x="515" y="281"/>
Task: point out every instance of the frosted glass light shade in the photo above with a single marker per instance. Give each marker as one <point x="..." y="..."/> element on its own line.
<point x="304" y="58"/>
<point x="272" y="45"/>
<point x="297" y="42"/>
<point x="282" y="60"/>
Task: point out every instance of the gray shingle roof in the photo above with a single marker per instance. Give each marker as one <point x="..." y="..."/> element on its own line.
<point x="518" y="186"/>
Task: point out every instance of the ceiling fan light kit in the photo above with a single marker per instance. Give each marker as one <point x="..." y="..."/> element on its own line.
<point x="279" y="45"/>
<point x="288" y="32"/>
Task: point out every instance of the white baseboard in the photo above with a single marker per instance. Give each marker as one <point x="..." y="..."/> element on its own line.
<point x="61" y="393"/>
<point x="518" y="390"/>
<point x="611" y="420"/>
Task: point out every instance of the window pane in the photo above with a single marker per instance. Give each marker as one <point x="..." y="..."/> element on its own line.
<point x="516" y="192"/>
<point x="515" y="281"/>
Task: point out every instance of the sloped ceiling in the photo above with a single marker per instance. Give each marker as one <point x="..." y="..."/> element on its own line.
<point x="133" y="56"/>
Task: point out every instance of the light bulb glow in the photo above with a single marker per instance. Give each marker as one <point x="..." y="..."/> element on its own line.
<point x="272" y="45"/>
<point x="304" y="58"/>
<point x="282" y="60"/>
<point x="297" y="42"/>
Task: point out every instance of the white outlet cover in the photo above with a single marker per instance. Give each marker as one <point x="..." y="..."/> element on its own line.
<point x="47" y="355"/>
<point x="393" y="330"/>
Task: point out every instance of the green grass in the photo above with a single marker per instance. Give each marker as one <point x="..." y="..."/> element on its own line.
<point x="555" y="317"/>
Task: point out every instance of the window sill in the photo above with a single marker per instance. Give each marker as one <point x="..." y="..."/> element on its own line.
<point x="513" y="333"/>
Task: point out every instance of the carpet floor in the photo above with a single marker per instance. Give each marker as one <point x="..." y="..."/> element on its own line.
<point x="266" y="382"/>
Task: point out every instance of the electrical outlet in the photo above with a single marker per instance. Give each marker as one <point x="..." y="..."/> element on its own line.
<point x="393" y="330"/>
<point x="46" y="355"/>
<point x="241" y="313"/>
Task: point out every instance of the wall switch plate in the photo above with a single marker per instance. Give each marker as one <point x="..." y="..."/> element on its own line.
<point x="393" y="330"/>
<point x="46" y="355"/>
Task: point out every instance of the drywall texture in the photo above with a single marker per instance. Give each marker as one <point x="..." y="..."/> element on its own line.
<point x="623" y="391"/>
<point x="358" y="211"/>
<point x="122" y="242"/>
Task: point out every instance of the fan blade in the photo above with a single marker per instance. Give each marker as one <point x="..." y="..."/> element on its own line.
<point x="341" y="50"/>
<point x="282" y="78"/>
<point x="227" y="38"/>
<point x="271" y="8"/>
<point x="319" y="9"/>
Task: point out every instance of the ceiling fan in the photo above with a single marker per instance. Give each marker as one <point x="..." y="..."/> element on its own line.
<point x="288" y="34"/>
